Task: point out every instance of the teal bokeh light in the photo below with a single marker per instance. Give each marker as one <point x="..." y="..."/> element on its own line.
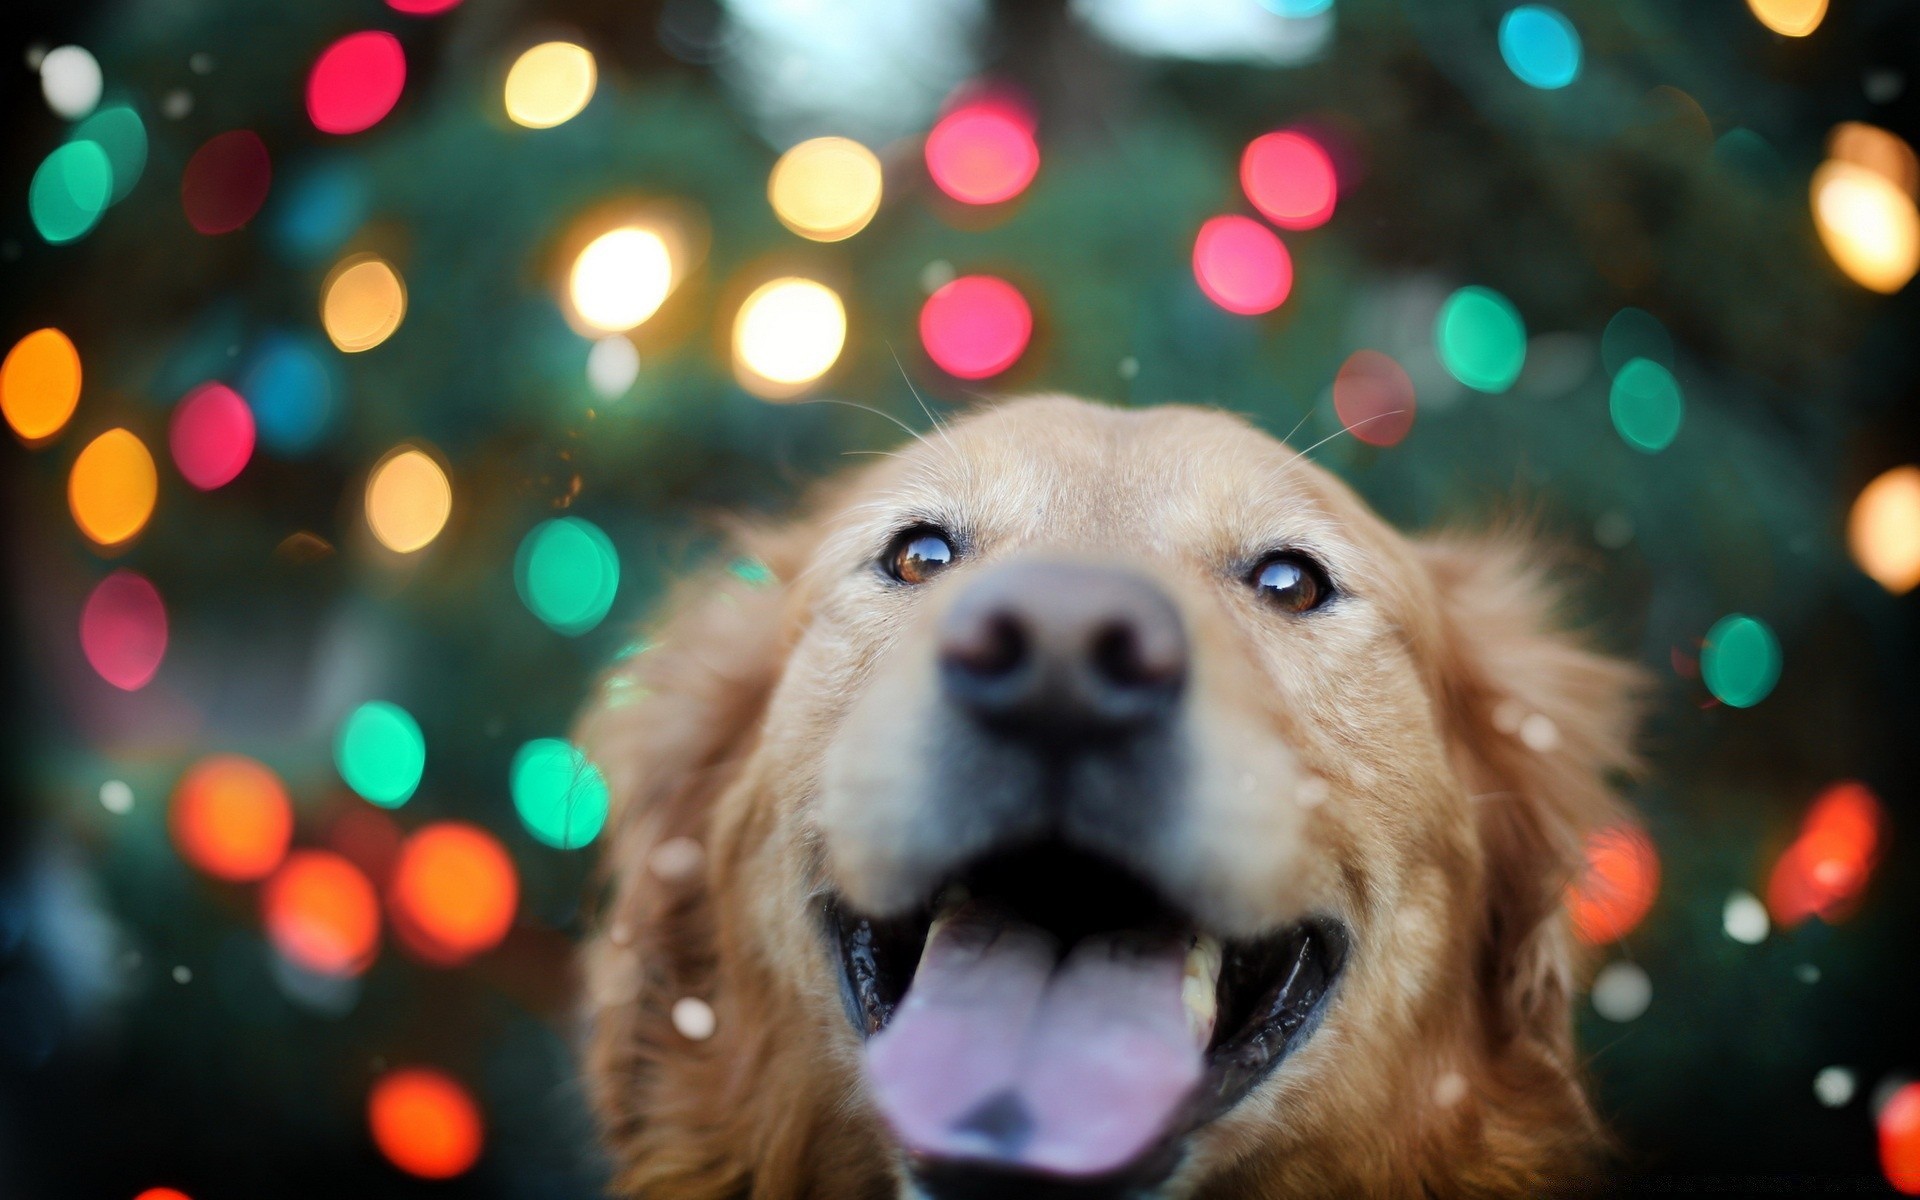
<point x="381" y="753"/>
<point x="1646" y="405"/>
<point x="1740" y="660"/>
<point x="560" y="795"/>
<point x="1481" y="339"/>
<point x="567" y="572"/>
<point x="1540" y="46"/>
<point x="71" y="189"/>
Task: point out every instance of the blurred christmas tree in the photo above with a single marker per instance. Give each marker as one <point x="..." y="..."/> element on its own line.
<point x="442" y="330"/>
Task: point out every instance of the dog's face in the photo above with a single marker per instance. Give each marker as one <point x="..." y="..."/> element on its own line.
<point x="1110" y="804"/>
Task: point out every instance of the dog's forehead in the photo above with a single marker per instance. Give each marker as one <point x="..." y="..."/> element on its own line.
<point x="1180" y="478"/>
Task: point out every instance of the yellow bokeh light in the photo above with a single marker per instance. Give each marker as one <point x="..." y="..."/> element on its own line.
<point x="112" y="488"/>
<point x="1878" y="151"/>
<point x="826" y="189"/>
<point x="1883" y="531"/>
<point x="550" y="84"/>
<point x="1789" y="18"/>
<point x="621" y="279"/>
<point x="40" y="384"/>
<point x="408" y="499"/>
<point x="1868" y="225"/>
<point x="787" y="334"/>
<point x="362" y="302"/>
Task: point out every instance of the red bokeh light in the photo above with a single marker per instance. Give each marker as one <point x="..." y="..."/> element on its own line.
<point x="983" y="152"/>
<point x="1290" y="178"/>
<point x="1824" y="871"/>
<point x="163" y="1193"/>
<point x="425" y="1123"/>
<point x="231" y="817"/>
<point x="1618" y="887"/>
<point x="422" y="8"/>
<point x="453" y="892"/>
<point x="369" y="839"/>
<point x="1899" y="1127"/>
<point x="321" y="913"/>
<point x="976" y="326"/>
<point x="123" y="630"/>
<point x="226" y="181"/>
<point x="211" y="436"/>
<point x="1374" y="398"/>
<point x="356" y="81"/>
<point x="1241" y="265"/>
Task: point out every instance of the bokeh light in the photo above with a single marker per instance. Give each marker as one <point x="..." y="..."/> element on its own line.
<point x="826" y="188"/>
<point x="567" y="572"/>
<point x="113" y="487"/>
<point x="1646" y="405"/>
<point x="1868" y="225"/>
<point x="620" y="279"/>
<point x="40" y="384"/>
<point x="123" y="630"/>
<point x="1617" y="889"/>
<point x="975" y="326"/>
<point x="355" y="82"/>
<point x="70" y="190"/>
<point x="983" y="152"/>
<point x="292" y="390"/>
<point x="1744" y="919"/>
<point x="322" y="914"/>
<point x="408" y="499"/>
<point x="231" y="818"/>
<point x="422" y="8"/>
<point x="788" y="333"/>
<point x="211" y="436"/>
<point x="1290" y="178"/>
<point x="1898" y="1125"/>
<point x="453" y="892"/>
<point x="70" y="80"/>
<point x="381" y="753"/>
<point x="163" y="1193"/>
<point x="1740" y="660"/>
<point x="560" y="795"/>
<point x="1480" y="339"/>
<point x="1878" y="150"/>
<point x="1883" y="529"/>
<point x="1541" y="47"/>
<point x="321" y="208"/>
<point x="612" y="366"/>
<point x="1241" y="265"/>
<point x="362" y="302"/>
<point x="122" y="137"/>
<point x="1622" y="991"/>
<point x="226" y="181"/>
<point x="425" y="1123"/>
<point x="1789" y="18"/>
<point x="549" y="84"/>
<point x="1634" y="333"/>
<point x="1373" y="397"/>
<point x="1825" y="869"/>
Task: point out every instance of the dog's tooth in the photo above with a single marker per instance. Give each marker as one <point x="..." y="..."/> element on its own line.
<point x="1199" y="988"/>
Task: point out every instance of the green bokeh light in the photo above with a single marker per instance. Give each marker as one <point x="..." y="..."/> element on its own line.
<point x="119" y="133"/>
<point x="1646" y="405"/>
<point x="1481" y="339"/>
<point x="70" y="191"/>
<point x="1740" y="661"/>
<point x="567" y="572"/>
<point x="381" y="753"/>
<point x="560" y="796"/>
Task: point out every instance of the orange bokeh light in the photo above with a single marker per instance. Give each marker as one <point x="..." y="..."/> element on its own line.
<point x="231" y="817"/>
<point x="425" y="1123"/>
<point x="1899" y="1125"/>
<point x="1618" y="888"/>
<point x="454" y="892"/>
<point x="322" y="913"/>
<point x="1824" y="871"/>
<point x="40" y="384"/>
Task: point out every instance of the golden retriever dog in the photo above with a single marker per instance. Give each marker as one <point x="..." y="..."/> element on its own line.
<point x="1087" y="802"/>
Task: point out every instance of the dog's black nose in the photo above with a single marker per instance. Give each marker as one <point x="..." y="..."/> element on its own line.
<point x="1060" y="651"/>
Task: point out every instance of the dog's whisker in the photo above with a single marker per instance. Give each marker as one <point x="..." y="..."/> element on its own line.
<point x="1336" y="433"/>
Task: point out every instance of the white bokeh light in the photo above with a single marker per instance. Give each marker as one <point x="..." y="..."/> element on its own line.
<point x="1745" y="919"/>
<point x="70" y="80"/>
<point x="1622" y="991"/>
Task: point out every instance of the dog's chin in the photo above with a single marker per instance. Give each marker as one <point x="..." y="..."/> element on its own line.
<point x="1047" y="1026"/>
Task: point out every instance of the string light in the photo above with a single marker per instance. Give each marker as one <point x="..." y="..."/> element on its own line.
<point x="322" y="914"/>
<point x="231" y="818"/>
<point x="113" y="486"/>
<point x="1740" y="660"/>
<point x="123" y="630"/>
<point x="620" y="279"/>
<point x="1827" y="866"/>
<point x="425" y="1123"/>
<point x="1868" y="225"/>
<point x="549" y="84"/>
<point x="826" y="189"/>
<point x="408" y="500"/>
<point x="560" y="795"/>
<point x="983" y="152"/>
<point x="362" y="302"/>
<point x="788" y="333"/>
<point x="1883" y="529"/>
<point x="381" y="753"/>
<point x="453" y="893"/>
<point x="1789" y="18"/>
<point x="1290" y="179"/>
<point x="211" y="436"/>
<point x="567" y="572"/>
<point x="975" y="326"/>
<point x="1617" y="889"/>
<point x="40" y="385"/>
<point x="1241" y="265"/>
<point x="355" y="82"/>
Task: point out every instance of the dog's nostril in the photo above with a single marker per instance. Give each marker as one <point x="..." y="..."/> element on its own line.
<point x="994" y="647"/>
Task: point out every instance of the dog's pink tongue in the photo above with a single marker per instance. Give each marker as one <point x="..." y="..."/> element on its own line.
<point x="999" y="1054"/>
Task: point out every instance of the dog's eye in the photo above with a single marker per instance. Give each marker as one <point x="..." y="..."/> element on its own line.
<point x="1291" y="582"/>
<point x="918" y="555"/>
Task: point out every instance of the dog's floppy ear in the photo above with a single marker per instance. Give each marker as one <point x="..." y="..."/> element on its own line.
<point x="1542" y="729"/>
<point x="671" y="726"/>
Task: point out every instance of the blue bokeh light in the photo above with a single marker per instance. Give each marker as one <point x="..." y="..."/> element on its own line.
<point x="1541" y="46"/>
<point x="293" y="393"/>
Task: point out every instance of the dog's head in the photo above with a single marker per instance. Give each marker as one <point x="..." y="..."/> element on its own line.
<point x="1099" y="803"/>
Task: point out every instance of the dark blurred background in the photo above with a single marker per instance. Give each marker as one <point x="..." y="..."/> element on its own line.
<point x="260" y="939"/>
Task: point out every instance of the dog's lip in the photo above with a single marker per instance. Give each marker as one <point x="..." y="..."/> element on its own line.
<point x="1272" y="992"/>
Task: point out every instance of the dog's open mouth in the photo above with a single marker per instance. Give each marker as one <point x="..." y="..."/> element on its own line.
<point x="1049" y="1014"/>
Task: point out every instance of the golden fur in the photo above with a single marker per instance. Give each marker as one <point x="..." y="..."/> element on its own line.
<point x="765" y="724"/>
